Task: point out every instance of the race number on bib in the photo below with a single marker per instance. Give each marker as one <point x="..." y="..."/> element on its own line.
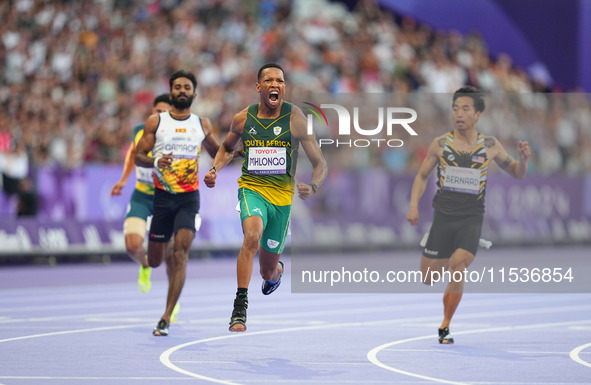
<point x="267" y="160"/>
<point x="462" y="179"/>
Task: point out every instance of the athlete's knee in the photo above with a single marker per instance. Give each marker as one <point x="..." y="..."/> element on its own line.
<point x="432" y="270"/>
<point x="252" y="240"/>
<point x="460" y="264"/>
<point x="460" y="267"/>
<point x="134" y="247"/>
<point x="134" y="243"/>
<point x="180" y="257"/>
<point x="156" y="253"/>
<point x="461" y="259"/>
<point x="154" y="261"/>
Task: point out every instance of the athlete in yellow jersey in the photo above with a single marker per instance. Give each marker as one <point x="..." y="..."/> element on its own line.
<point x="462" y="157"/>
<point x="142" y="199"/>
<point x="271" y="132"/>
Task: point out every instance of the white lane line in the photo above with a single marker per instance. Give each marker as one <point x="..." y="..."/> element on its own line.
<point x="338" y="382"/>
<point x="372" y="354"/>
<point x="258" y="382"/>
<point x="525" y="383"/>
<point x="535" y="352"/>
<point x="300" y="314"/>
<point x="324" y="381"/>
<point x="85" y="305"/>
<point x="283" y="381"/>
<point x="72" y="332"/>
<point x="142" y="304"/>
<point x="299" y="363"/>
<point x="575" y="354"/>
<point x="166" y="361"/>
<point x="90" y="378"/>
<point x="165" y="356"/>
<point x="206" y="362"/>
<point x="508" y="351"/>
<point x="212" y="302"/>
<point x="306" y="314"/>
<point x="393" y="308"/>
<point x="372" y="357"/>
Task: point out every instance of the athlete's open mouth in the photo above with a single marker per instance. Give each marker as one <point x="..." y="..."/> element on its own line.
<point x="274" y="96"/>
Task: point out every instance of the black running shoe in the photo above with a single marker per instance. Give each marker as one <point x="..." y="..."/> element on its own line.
<point x="267" y="288"/>
<point x="161" y="329"/>
<point x="238" y="319"/>
<point x="445" y="337"/>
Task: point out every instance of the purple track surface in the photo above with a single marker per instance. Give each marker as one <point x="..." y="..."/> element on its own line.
<point x="84" y="324"/>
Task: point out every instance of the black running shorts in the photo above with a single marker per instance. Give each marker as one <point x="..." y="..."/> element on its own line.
<point x="173" y="212"/>
<point x="449" y="233"/>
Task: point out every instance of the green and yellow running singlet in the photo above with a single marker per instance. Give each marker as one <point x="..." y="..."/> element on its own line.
<point x="269" y="157"/>
<point x="143" y="175"/>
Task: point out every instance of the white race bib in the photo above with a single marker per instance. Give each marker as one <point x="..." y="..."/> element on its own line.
<point x="267" y="160"/>
<point x="144" y="175"/>
<point x="462" y="179"/>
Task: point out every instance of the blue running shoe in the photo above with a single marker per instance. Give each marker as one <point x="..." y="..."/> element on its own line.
<point x="267" y="287"/>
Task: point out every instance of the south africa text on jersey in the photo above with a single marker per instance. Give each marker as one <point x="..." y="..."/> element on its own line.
<point x="267" y="143"/>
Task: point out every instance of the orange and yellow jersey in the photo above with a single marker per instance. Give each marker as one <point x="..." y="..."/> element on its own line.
<point x="183" y="139"/>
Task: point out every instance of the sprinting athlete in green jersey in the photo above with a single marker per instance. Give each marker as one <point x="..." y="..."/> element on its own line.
<point x="140" y="206"/>
<point x="142" y="198"/>
<point x="271" y="131"/>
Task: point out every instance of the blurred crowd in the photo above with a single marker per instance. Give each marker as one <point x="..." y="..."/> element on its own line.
<point x="78" y="75"/>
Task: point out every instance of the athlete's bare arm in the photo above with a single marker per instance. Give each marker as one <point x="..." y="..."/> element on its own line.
<point x="517" y="169"/>
<point x="146" y="143"/>
<point x="210" y="142"/>
<point x="128" y="166"/>
<point x="225" y="152"/>
<point x="299" y="128"/>
<point x="418" y="187"/>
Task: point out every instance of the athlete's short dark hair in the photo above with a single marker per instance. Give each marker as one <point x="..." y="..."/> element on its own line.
<point x="163" y="98"/>
<point x="269" y="65"/>
<point x="474" y="93"/>
<point x="183" y="74"/>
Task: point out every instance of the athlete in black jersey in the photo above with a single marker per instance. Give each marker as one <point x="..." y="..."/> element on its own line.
<point x="462" y="157"/>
